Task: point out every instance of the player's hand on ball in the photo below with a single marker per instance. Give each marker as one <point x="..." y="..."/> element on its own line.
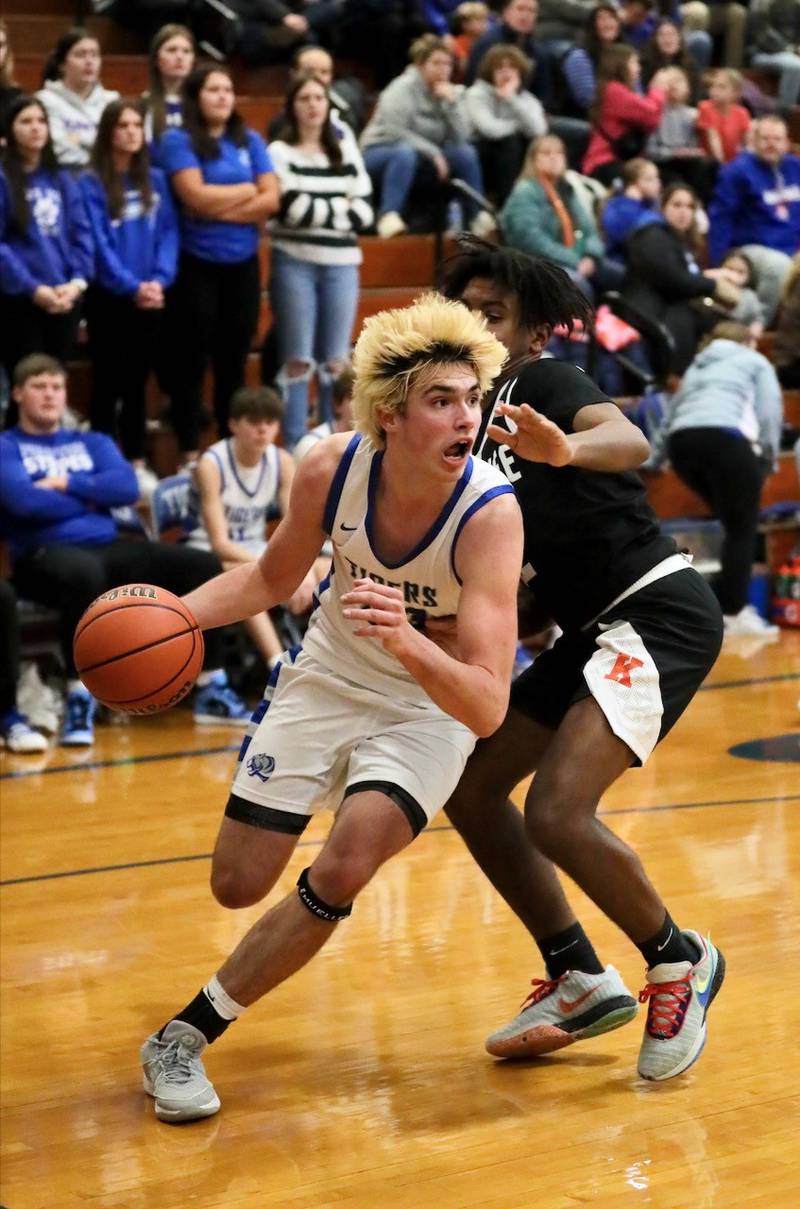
<point x="379" y="612"/>
<point x="534" y="438"/>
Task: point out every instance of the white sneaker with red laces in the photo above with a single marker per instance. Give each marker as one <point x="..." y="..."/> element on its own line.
<point x="563" y="1010"/>
<point x="678" y="996"/>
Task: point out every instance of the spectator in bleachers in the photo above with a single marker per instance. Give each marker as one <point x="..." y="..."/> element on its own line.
<point x="170" y="61"/>
<point x="238" y="482"/>
<point x="516" y="26"/>
<point x="581" y="65"/>
<point x="73" y="96"/>
<point x="314" y="278"/>
<point x="675" y="145"/>
<point x="722" y="432"/>
<point x="469" y="22"/>
<point x="665" y="281"/>
<point x="756" y="207"/>
<point x="720" y="17"/>
<point x="786" y="345"/>
<point x="272" y="29"/>
<point x="420" y="120"/>
<point x="775" y="37"/>
<point x="135" y="232"/>
<point x="348" y="102"/>
<point x="504" y="117"/>
<point x="46" y="248"/>
<point x="632" y="206"/>
<point x="748" y="310"/>
<point x="722" y="122"/>
<point x="342" y="420"/>
<point x="58" y="489"/>
<point x="225" y="183"/>
<point x="640" y="18"/>
<point x="543" y="217"/>
<point x="667" y="48"/>
<point x="621" y="117"/>
<point x="9" y="89"/>
<point x="16" y="732"/>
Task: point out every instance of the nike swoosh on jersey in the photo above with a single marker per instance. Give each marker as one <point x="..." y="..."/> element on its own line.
<point x="349" y="528"/>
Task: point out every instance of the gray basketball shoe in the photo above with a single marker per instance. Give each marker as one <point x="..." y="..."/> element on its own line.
<point x="174" y="1074"/>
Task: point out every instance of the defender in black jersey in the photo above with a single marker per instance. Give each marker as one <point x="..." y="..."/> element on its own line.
<point x="640" y="631"/>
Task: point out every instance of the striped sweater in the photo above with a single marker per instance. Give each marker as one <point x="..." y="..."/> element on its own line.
<point x="323" y="208"/>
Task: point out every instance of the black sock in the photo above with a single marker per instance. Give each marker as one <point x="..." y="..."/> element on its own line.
<point x="201" y="1014"/>
<point x="667" y="946"/>
<point x="569" y="950"/>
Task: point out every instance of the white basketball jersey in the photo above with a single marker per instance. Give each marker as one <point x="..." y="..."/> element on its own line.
<point x="426" y="575"/>
<point x="247" y="493"/>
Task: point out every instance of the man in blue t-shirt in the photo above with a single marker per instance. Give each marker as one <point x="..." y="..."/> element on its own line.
<point x="59" y="488"/>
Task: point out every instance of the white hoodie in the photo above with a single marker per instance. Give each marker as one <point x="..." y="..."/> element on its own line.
<point x="73" y="120"/>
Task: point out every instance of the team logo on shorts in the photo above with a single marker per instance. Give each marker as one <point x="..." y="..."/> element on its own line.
<point x="261" y="766"/>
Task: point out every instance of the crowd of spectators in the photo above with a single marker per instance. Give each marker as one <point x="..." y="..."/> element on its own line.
<point x="618" y="139"/>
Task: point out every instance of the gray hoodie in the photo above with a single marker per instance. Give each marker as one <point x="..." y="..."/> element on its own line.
<point x="407" y="112"/>
<point x="73" y="120"/>
<point x="731" y="386"/>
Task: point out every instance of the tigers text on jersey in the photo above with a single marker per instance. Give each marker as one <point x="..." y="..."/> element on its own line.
<point x="588" y="534"/>
<point x="426" y="575"/>
<point x="247" y="494"/>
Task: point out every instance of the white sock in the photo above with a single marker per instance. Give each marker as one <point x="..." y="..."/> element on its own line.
<point x="224" y="1006"/>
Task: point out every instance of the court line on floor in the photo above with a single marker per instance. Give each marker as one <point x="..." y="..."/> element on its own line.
<point x="20" y="774"/>
<point x="205" y="856"/>
<point x="707" y="688"/>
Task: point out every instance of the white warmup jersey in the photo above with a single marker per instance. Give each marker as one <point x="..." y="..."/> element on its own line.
<point x="427" y="575"/>
<point x="248" y="493"/>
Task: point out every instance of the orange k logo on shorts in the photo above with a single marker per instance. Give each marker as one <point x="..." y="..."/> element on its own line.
<point x="621" y="671"/>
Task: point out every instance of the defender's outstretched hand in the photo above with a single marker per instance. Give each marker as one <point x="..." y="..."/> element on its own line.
<point x="536" y="438"/>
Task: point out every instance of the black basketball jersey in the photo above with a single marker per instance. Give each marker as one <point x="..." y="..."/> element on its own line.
<point x="588" y="534"/>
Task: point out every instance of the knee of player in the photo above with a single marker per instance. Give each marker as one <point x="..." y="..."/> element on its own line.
<point x="338" y="877"/>
<point x="234" y="889"/>
<point x="548" y="822"/>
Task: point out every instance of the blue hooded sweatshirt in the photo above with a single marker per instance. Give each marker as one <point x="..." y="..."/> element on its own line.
<point x="98" y="479"/>
<point x="57" y="246"/>
<point x="138" y="246"/>
<point x="622" y="215"/>
<point x="755" y="202"/>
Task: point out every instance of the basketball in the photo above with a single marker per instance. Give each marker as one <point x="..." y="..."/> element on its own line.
<point x="138" y="649"/>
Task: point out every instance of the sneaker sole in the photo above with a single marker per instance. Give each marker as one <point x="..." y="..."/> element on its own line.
<point x="702" y="1035"/>
<point x="212" y="720"/>
<point x="548" y="1038"/>
<point x="175" y="1116"/>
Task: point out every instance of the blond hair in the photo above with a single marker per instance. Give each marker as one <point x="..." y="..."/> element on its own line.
<point x="396" y="346"/>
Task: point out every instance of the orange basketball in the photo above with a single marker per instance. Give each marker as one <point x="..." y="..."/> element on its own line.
<point x="138" y="649"/>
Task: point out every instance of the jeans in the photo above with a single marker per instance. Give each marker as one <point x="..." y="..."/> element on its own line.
<point x="314" y="306"/>
<point x="393" y="167"/>
<point x="787" y="64"/>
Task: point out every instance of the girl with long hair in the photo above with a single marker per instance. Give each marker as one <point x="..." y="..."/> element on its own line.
<point x="73" y="96"/>
<point x="136" y="237"/>
<point x="621" y="117"/>
<point x="664" y="280"/>
<point x="170" y="60"/>
<point x="223" y="178"/>
<point x="580" y="65"/>
<point x="314" y="281"/>
<point x="544" y="217"/>
<point x="46" y="249"/>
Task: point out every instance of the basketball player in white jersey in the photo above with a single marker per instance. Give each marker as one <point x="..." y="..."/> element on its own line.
<point x="370" y="716"/>
<point x="237" y="483"/>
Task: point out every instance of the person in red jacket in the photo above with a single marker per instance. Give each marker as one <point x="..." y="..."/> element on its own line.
<point x="621" y="117"/>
